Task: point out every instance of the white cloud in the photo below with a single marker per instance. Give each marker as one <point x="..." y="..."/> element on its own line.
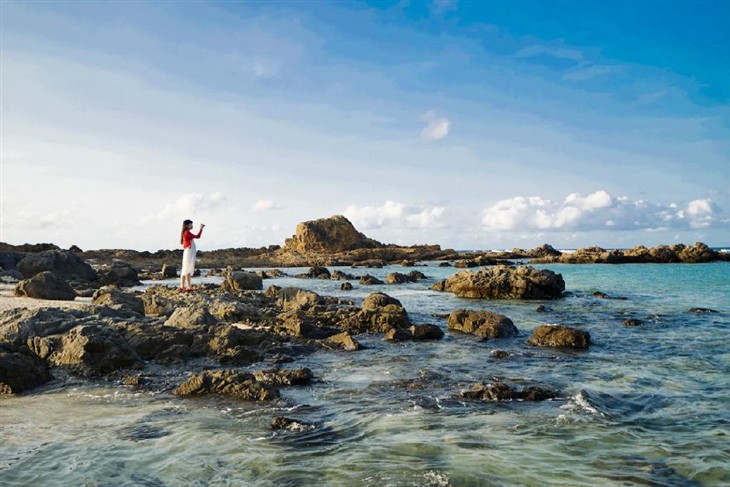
<point x="265" y="205"/>
<point x="436" y="127"/>
<point x="189" y="204"/>
<point x="394" y="215"/>
<point x="440" y="7"/>
<point x="596" y="211"/>
<point x="583" y="73"/>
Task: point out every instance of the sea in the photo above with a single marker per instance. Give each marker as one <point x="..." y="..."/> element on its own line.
<point x="646" y="405"/>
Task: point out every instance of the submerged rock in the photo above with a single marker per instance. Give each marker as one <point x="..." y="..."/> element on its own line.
<point x="702" y="310"/>
<point x="45" y="285"/>
<point x="484" y="324"/>
<point x="241" y="385"/>
<point x="633" y="322"/>
<point x="499" y="391"/>
<point x="559" y="336"/>
<point x="504" y="282"/>
<point x="289" y="424"/>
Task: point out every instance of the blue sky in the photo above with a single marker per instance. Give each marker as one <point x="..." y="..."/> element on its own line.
<point x="469" y="124"/>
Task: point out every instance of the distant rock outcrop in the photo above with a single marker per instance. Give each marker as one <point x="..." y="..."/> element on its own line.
<point x="45" y="285"/>
<point x="333" y="234"/>
<point x="61" y="262"/>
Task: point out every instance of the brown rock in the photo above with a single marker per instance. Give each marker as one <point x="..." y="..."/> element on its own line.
<point x="344" y="341"/>
<point x="45" y="285"/>
<point x="334" y="234"/>
<point x="559" y="336"/>
<point x="484" y="324"/>
<point x="240" y="385"/>
<point x="115" y="297"/>
<point x="504" y="282"/>
<point x="191" y="317"/>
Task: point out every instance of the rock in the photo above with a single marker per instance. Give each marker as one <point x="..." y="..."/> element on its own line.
<point x="316" y="273"/>
<point x="120" y="274"/>
<point x="416" y="276"/>
<point x="633" y="322"/>
<point x="169" y="271"/>
<point x="541" y="309"/>
<point x="295" y="298"/>
<point x="191" y="317"/>
<point x="426" y="332"/>
<point x="338" y="275"/>
<point x="498" y="354"/>
<point x="466" y="263"/>
<point x="21" y="370"/>
<point x="499" y="391"/>
<point x="398" y="335"/>
<point x="242" y="281"/>
<point x="334" y="234"/>
<point x="382" y="312"/>
<point x="18" y="325"/>
<point x="484" y="324"/>
<point x="165" y="344"/>
<point x="504" y="282"/>
<point x="544" y="250"/>
<point x="156" y="305"/>
<point x="701" y="310"/>
<point x="45" y="285"/>
<point x="112" y="297"/>
<point x="343" y="341"/>
<point x="346" y="286"/>
<point x="89" y="349"/>
<point x="61" y="262"/>
<point x="699" y="252"/>
<point x="559" y="336"/>
<point x="284" y="423"/>
<point x="444" y="264"/>
<point x="397" y="278"/>
<point x="600" y="295"/>
<point x="11" y="276"/>
<point x="240" y="385"/>
<point x="368" y="280"/>
<point x="285" y="377"/>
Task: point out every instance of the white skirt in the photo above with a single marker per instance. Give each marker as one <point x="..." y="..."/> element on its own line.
<point x="188" y="260"/>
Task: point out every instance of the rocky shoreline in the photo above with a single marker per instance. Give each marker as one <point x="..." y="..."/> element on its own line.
<point x="233" y="339"/>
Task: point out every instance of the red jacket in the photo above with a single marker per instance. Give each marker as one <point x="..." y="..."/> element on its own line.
<point x="188" y="237"/>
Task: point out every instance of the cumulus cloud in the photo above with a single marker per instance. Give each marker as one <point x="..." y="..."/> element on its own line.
<point x="436" y="127"/>
<point x="265" y="205"/>
<point x="190" y="204"/>
<point x="394" y="215"/>
<point x="596" y="211"/>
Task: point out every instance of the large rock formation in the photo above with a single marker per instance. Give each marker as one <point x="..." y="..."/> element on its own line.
<point x="661" y="254"/>
<point x="45" y="285"/>
<point x="333" y="234"/>
<point x="61" y="262"/>
<point x="505" y="282"/>
<point x="20" y="370"/>
<point x="559" y="336"/>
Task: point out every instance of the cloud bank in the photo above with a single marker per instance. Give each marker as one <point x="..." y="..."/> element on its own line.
<point x="596" y="211"/>
<point x="394" y="215"/>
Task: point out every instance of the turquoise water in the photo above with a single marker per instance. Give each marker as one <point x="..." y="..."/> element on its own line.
<point x="645" y="405"/>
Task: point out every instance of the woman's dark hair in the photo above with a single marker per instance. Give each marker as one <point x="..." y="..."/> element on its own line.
<point x="184" y="227"/>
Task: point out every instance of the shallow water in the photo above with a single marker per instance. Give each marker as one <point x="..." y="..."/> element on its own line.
<point x="645" y="405"/>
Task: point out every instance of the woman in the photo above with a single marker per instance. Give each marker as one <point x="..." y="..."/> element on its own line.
<point x="187" y="239"/>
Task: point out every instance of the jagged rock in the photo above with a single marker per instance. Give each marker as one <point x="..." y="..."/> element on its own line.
<point x="156" y="305"/>
<point x="21" y="370"/>
<point x="45" y="285"/>
<point x="60" y="262"/>
<point x="285" y="377"/>
<point x="165" y="344"/>
<point x="416" y="276"/>
<point x="368" y="280"/>
<point x="112" y="297"/>
<point x="381" y="312"/>
<point x="191" y="317"/>
<point x="334" y="234"/>
<point x="120" y="274"/>
<point x="484" y="324"/>
<point x="242" y="281"/>
<point x="504" y="282"/>
<point x="346" y="286"/>
<point x="18" y="325"/>
<point x="499" y="391"/>
<point x="343" y="341"/>
<point x="559" y="336"/>
<point x="89" y="349"/>
<point x="241" y="385"/>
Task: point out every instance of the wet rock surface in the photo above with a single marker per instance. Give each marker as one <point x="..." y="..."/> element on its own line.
<point x="499" y="391"/>
<point x="20" y="369"/>
<point x="483" y="324"/>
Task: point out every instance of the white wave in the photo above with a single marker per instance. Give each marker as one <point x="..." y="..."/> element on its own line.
<point x="436" y="479"/>
<point x="580" y="403"/>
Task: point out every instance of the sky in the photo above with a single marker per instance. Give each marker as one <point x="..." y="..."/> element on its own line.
<point x="473" y="125"/>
